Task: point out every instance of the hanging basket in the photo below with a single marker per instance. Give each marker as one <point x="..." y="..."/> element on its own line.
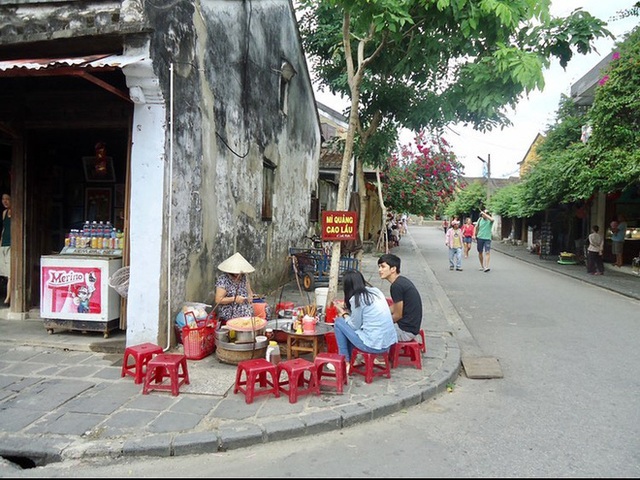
<point x="119" y="281"/>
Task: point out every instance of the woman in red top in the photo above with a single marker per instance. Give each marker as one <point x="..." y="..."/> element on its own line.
<point x="467" y="236"/>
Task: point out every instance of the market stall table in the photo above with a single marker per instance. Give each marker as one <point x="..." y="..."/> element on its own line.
<point x="306" y="342"/>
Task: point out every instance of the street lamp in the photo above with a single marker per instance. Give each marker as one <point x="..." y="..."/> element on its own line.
<point x="488" y="163"/>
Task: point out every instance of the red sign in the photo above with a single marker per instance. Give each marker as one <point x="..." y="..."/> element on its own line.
<point x="339" y="225"/>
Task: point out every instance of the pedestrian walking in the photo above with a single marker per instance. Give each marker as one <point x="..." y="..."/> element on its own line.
<point x="482" y="234"/>
<point x="467" y="236"/>
<point x="595" y="266"/>
<point x="453" y="240"/>
<point x="445" y="225"/>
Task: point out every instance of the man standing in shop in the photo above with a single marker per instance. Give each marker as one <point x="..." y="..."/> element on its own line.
<point x="5" y="245"/>
<point x="482" y="234"/>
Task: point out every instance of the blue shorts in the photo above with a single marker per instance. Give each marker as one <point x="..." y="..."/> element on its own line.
<point x="467" y="239"/>
<point x="483" y="245"/>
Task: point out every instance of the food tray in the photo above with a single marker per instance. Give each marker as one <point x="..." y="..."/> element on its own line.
<point x="246" y="324"/>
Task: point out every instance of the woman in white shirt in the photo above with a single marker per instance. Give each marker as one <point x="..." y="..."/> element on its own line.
<point x="595" y="266"/>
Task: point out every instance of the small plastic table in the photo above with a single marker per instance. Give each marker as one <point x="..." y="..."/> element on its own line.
<point x="301" y="343"/>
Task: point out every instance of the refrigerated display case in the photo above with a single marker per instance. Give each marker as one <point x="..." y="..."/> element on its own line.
<point x="75" y="293"/>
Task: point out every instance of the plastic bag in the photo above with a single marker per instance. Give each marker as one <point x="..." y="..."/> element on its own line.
<point x="190" y="313"/>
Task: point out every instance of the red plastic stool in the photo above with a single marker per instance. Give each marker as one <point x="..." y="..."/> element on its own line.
<point x="330" y="341"/>
<point x="284" y="306"/>
<point x="297" y="382"/>
<point x="337" y="378"/>
<point x="255" y="371"/>
<point x="406" y="353"/>
<point x="369" y="369"/>
<point x="423" y="346"/>
<point x="141" y="354"/>
<point x="172" y="365"/>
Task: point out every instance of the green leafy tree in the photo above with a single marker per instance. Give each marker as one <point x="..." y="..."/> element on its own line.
<point x="613" y="149"/>
<point x="421" y="63"/>
<point x="509" y="202"/>
<point x="467" y="199"/>
<point x="419" y="180"/>
<point x="569" y="170"/>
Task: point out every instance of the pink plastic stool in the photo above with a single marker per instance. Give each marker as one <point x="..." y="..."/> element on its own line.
<point x="170" y="365"/>
<point x="255" y="372"/>
<point x="330" y="341"/>
<point x="406" y="353"/>
<point x="337" y="378"/>
<point x="296" y="381"/>
<point x="141" y="354"/>
<point x="369" y="369"/>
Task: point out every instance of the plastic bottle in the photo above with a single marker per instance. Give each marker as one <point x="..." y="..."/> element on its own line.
<point x="105" y="238"/>
<point x="113" y="242"/>
<point x="94" y="235"/>
<point x="273" y="352"/>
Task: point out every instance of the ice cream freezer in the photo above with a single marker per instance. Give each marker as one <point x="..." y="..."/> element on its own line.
<point x="75" y="293"/>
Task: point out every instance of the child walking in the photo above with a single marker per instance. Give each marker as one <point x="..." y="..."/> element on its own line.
<point x="453" y="240"/>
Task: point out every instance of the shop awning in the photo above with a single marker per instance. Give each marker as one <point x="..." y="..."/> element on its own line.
<point x="72" y="66"/>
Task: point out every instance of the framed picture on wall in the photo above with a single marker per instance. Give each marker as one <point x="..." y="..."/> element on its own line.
<point x="97" y="205"/>
<point x="97" y="172"/>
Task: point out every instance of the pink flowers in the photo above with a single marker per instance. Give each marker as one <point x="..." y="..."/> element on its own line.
<point x="603" y="80"/>
<point x="615" y="56"/>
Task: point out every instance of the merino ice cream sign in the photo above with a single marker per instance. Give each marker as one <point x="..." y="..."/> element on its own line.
<point x="339" y="225"/>
<point x="71" y="289"/>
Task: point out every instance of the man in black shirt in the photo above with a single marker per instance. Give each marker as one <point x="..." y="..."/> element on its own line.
<point x="407" y="304"/>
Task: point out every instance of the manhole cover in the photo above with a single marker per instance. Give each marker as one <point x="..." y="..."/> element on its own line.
<point x="482" y="367"/>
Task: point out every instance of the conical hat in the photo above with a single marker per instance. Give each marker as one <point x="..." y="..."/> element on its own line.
<point x="235" y="264"/>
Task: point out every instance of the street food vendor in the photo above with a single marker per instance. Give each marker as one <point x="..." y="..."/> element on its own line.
<point x="234" y="296"/>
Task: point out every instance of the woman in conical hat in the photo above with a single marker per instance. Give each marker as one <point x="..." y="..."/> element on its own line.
<point x="234" y="296"/>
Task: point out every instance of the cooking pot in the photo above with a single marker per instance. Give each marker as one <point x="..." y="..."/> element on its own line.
<point x="247" y="337"/>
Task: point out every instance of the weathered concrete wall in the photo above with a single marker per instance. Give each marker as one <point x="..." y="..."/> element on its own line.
<point x="227" y="57"/>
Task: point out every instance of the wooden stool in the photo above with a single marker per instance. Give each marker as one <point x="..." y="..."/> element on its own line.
<point x="141" y="355"/>
<point x="296" y="381"/>
<point x="166" y="365"/>
<point x="406" y="353"/>
<point x="369" y="369"/>
<point x="337" y="378"/>
<point x="255" y="371"/>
